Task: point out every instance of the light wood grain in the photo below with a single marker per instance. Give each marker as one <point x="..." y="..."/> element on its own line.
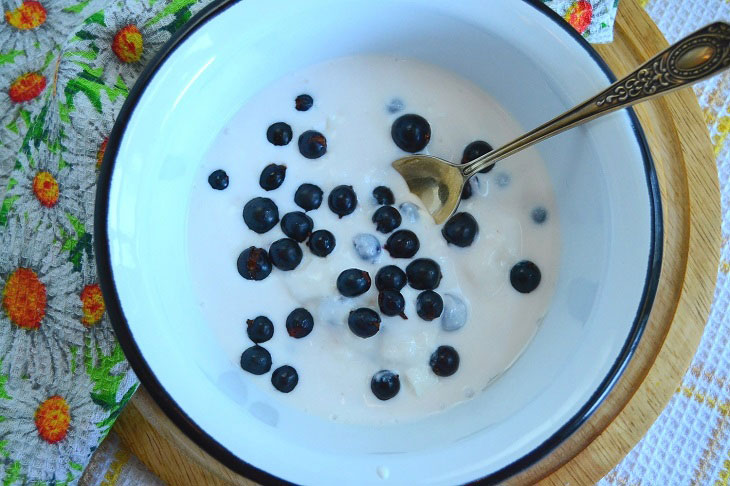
<point x="685" y="165"/>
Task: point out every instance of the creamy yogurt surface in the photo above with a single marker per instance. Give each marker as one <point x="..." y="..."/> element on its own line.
<point x="356" y="100"/>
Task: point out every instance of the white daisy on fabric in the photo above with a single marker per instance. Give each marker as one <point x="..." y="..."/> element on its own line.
<point x="127" y="41"/>
<point x="99" y="332"/>
<point x="48" y="426"/>
<point x="45" y="195"/>
<point x="23" y="85"/>
<point x="87" y="135"/>
<point x="40" y="309"/>
<point x="35" y="24"/>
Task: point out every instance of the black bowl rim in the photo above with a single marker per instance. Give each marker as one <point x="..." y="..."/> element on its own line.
<point x="218" y="451"/>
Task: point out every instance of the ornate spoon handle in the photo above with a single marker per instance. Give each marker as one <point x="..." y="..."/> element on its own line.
<point x="700" y="55"/>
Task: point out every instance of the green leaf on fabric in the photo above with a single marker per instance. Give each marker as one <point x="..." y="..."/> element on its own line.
<point x="119" y="406"/>
<point x="91" y="55"/>
<point x="76" y="466"/>
<point x="3" y="392"/>
<point x="83" y="35"/>
<point x="106" y="384"/>
<point x="77" y="225"/>
<point x="12" y="473"/>
<point x="97" y="18"/>
<point x="74" y="355"/>
<point x="3" y="451"/>
<point x="172" y="8"/>
<point x="90" y="88"/>
<point x="49" y="57"/>
<point x="9" y="57"/>
<point x="5" y="209"/>
<point x="25" y="115"/>
<point x="82" y="244"/>
<point x="78" y="7"/>
<point x="12" y="126"/>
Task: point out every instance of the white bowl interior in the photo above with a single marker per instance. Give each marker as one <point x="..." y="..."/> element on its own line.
<point x="515" y="53"/>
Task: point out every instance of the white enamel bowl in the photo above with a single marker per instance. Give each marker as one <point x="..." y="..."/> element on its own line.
<point x="535" y="66"/>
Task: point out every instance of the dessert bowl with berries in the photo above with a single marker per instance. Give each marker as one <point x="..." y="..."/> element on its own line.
<point x="288" y="301"/>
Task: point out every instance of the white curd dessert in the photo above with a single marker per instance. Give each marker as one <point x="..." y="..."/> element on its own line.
<point x="486" y="321"/>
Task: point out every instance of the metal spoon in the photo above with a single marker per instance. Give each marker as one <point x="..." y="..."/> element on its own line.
<point x="700" y="55"/>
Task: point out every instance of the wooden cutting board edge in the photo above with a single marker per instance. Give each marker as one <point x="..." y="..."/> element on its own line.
<point x="681" y="149"/>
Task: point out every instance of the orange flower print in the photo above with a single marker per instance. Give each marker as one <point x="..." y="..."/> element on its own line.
<point x="579" y="15"/>
<point x="52" y="419"/>
<point x="128" y="44"/>
<point x="27" y="87"/>
<point x="29" y="15"/>
<point x="92" y="304"/>
<point x="24" y="298"/>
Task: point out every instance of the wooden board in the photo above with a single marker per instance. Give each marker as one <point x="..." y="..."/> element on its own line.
<point x="685" y="164"/>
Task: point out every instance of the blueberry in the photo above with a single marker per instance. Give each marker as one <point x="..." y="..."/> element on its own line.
<point x="260" y="329"/>
<point x="279" y="133"/>
<point x="395" y="105"/>
<point x="363" y="322"/>
<point x="321" y="243"/>
<point x="285" y="254"/>
<point x="410" y="211"/>
<point x="539" y="215"/>
<point x="218" y="179"/>
<point x="386" y="219"/>
<point x="383" y="195"/>
<point x="525" y="276"/>
<point x="402" y="244"/>
<point x="303" y="102"/>
<point x="312" y="144"/>
<point x="390" y="277"/>
<point x="367" y="247"/>
<point x="308" y="196"/>
<point x="429" y="305"/>
<point x="342" y="200"/>
<point x="260" y="214"/>
<point x="444" y="361"/>
<point x="385" y="385"/>
<point x="353" y="282"/>
<point x="411" y="133"/>
<point x="272" y="176"/>
<point x="256" y="360"/>
<point x="475" y="150"/>
<point x="466" y="193"/>
<point x="460" y="229"/>
<point x="284" y="378"/>
<point x="392" y="303"/>
<point x="297" y="225"/>
<point x="423" y="274"/>
<point x="254" y="263"/>
<point x="299" y="323"/>
<point x="455" y="313"/>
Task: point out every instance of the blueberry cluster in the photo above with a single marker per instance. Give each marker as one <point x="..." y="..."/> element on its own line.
<point x="257" y="359"/>
<point x="411" y="133"/>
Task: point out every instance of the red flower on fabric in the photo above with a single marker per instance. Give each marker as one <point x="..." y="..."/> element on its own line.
<point x="29" y="15"/>
<point x="128" y="44"/>
<point x="27" y="87"/>
<point x="52" y="419"/>
<point x="93" y="305"/>
<point x="579" y="15"/>
<point x="24" y="298"/>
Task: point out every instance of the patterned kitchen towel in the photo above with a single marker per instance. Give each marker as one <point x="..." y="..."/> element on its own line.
<point x="66" y="67"/>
